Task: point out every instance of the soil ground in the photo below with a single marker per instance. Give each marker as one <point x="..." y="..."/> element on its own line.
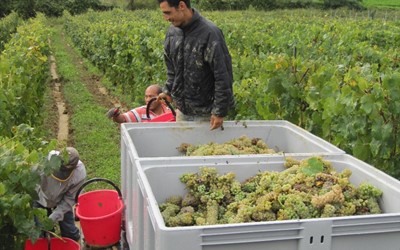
<point x="60" y="113"/>
<point x="60" y="127"/>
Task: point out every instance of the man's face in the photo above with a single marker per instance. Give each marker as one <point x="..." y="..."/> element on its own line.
<point x="150" y="93"/>
<point x="173" y="15"/>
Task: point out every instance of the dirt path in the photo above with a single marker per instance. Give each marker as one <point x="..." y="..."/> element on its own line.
<point x="61" y="112"/>
<point x="93" y="84"/>
<point x="92" y="81"/>
<point x="63" y="118"/>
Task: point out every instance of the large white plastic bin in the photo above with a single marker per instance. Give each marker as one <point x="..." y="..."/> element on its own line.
<point x="163" y="139"/>
<point x="160" y="140"/>
<point x="159" y="179"/>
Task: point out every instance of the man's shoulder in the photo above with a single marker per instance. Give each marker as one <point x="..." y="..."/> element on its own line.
<point x="80" y="172"/>
<point x="140" y="109"/>
<point x="174" y="31"/>
<point x="207" y="29"/>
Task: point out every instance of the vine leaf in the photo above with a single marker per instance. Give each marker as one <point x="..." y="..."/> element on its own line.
<point x="313" y="167"/>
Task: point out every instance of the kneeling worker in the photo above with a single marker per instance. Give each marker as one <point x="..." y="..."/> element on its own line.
<point x="57" y="191"/>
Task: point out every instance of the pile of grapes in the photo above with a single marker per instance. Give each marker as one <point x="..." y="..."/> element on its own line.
<point x="237" y="146"/>
<point x="310" y="188"/>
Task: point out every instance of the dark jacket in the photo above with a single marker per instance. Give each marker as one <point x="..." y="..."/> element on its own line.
<point x="199" y="68"/>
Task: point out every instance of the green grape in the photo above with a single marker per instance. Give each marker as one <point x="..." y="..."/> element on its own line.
<point x="318" y="192"/>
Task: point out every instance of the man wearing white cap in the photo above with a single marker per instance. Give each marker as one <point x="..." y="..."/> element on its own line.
<point x="57" y="192"/>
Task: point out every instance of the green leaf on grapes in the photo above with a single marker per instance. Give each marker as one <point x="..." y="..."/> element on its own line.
<point x="314" y="166"/>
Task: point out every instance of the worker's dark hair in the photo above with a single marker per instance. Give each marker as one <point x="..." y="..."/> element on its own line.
<point x="175" y="3"/>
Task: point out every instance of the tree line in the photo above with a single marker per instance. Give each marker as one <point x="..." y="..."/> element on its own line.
<point x="275" y="4"/>
<point x="55" y="8"/>
<point x="51" y="8"/>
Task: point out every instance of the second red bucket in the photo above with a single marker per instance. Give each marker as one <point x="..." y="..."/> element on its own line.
<point x="52" y="244"/>
<point x="100" y="214"/>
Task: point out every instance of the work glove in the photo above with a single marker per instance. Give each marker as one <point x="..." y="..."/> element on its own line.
<point x="56" y="216"/>
<point x="113" y="112"/>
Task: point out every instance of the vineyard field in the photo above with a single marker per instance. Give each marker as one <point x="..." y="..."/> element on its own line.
<point x="335" y="73"/>
<point x="332" y="73"/>
<point x="382" y="3"/>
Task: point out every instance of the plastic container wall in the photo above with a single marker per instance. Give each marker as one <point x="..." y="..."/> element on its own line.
<point x="160" y="141"/>
<point x="163" y="139"/>
<point x="159" y="179"/>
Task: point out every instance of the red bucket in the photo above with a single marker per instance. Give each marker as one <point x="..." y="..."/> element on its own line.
<point x="100" y="215"/>
<point x="55" y="244"/>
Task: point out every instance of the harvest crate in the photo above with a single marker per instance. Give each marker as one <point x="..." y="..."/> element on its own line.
<point x="163" y="139"/>
<point x="160" y="141"/>
<point x="159" y="178"/>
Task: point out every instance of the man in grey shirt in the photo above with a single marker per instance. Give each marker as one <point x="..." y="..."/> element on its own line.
<point x="57" y="191"/>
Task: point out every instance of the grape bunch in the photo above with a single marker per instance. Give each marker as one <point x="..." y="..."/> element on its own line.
<point x="236" y="146"/>
<point x="309" y="188"/>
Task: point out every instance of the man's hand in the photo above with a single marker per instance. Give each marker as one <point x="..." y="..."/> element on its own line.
<point x="54" y="216"/>
<point x="113" y="112"/>
<point x="216" y="122"/>
<point x="164" y="96"/>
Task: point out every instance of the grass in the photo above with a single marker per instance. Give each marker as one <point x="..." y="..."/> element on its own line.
<point x="382" y="3"/>
<point x="96" y="138"/>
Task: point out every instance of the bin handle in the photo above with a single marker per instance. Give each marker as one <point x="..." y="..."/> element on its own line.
<point x="96" y="180"/>
<point x="166" y="102"/>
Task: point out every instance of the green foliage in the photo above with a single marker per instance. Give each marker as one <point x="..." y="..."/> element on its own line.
<point x="8" y="26"/>
<point x="25" y="8"/>
<point x="273" y="4"/>
<point x="335" y="77"/>
<point x="55" y="8"/>
<point x="314" y="166"/>
<point x="343" y="3"/>
<point x="113" y="43"/>
<point x="80" y="6"/>
<point x="296" y="3"/>
<point x="22" y="159"/>
<point x="219" y="4"/>
<point x="5" y="8"/>
<point x="122" y="4"/>
<point x="23" y="72"/>
<point x="51" y="8"/>
<point x="382" y="3"/>
<point x="142" y="4"/>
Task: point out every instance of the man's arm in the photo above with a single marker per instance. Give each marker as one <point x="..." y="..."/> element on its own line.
<point x="170" y="67"/>
<point x="170" y="76"/>
<point x="67" y="202"/>
<point x="221" y="66"/>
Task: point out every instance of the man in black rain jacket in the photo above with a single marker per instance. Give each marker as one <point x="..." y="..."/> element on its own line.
<point x="199" y="66"/>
